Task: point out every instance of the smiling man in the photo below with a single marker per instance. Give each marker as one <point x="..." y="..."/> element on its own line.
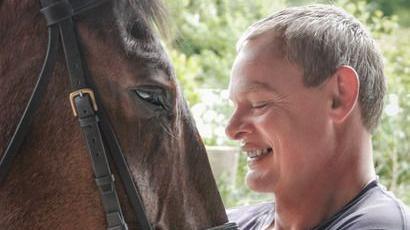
<point x="308" y="87"/>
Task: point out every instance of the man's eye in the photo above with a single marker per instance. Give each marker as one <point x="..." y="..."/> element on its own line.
<point x="259" y="105"/>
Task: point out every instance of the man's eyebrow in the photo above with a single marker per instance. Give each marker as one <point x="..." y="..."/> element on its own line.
<point x="257" y="86"/>
<point x="254" y="87"/>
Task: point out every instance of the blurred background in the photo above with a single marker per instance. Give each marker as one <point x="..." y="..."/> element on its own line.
<point x="202" y="49"/>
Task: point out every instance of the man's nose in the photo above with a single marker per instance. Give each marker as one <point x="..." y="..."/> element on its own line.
<point x="237" y="127"/>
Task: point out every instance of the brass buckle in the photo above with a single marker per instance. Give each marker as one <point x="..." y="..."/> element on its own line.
<point x="81" y="92"/>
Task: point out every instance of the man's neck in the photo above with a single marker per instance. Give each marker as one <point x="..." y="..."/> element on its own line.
<point x="326" y="194"/>
<point x="313" y="208"/>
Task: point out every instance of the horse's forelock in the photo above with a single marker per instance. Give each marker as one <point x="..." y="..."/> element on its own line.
<point x="154" y="13"/>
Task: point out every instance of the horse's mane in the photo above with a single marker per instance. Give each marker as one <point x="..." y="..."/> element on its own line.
<point x="154" y="12"/>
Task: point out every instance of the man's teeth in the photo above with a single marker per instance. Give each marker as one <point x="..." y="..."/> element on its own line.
<point x="258" y="152"/>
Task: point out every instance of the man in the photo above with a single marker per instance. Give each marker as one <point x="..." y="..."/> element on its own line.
<point x="308" y="89"/>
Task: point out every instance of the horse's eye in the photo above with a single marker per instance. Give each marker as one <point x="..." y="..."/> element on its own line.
<point x="152" y="96"/>
<point x="148" y="97"/>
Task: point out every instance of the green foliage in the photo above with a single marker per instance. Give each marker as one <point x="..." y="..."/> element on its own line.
<point x="186" y="68"/>
<point x="374" y="19"/>
<point x="393" y="7"/>
<point x="391" y="142"/>
<point x="400" y="8"/>
<point x="208" y="30"/>
<point x="210" y="113"/>
<point x="204" y="48"/>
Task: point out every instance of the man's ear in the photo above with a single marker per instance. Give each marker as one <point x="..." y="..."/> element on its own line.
<point x="344" y="92"/>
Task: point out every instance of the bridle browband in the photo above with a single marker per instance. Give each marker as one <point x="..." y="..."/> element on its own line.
<point x="91" y="116"/>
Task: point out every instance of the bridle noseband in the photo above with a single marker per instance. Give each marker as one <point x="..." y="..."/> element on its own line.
<point x="91" y="116"/>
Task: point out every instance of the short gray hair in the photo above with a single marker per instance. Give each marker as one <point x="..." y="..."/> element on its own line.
<point x="321" y="38"/>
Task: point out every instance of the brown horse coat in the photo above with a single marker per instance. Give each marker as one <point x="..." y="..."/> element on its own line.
<point x="51" y="185"/>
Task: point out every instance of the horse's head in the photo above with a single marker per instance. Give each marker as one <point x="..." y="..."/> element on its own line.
<point x="137" y="87"/>
<point x="149" y="115"/>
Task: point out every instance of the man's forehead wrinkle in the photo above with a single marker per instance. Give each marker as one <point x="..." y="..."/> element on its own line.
<point x="254" y="86"/>
<point x="241" y="89"/>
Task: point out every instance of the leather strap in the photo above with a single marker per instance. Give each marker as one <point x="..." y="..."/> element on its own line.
<point x="34" y="101"/>
<point x="72" y="54"/>
<point x="78" y="81"/>
<point x="60" y="13"/>
<point x="63" y="9"/>
<point x="104" y="179"/>
<point x="59" y="19"/>
<point x="56" y="12"/>
<point x="122" y="167"/>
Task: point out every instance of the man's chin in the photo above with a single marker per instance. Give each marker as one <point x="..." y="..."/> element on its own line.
<point x="258" y="183"/>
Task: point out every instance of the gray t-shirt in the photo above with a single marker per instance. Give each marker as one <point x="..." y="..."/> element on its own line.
<point x="373" y="208"/>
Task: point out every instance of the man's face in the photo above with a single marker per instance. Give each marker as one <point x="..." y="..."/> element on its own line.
<point x="283" y="125"/>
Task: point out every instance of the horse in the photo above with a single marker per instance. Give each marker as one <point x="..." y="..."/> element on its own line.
<point x="50" y="182"/>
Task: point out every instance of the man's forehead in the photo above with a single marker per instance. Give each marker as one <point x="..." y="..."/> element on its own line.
<point x="266" y="44"/>
<point x="242" y="88"/>
<point x="249" y="86"/>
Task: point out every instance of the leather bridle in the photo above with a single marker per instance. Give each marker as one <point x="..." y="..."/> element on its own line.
<point x="91" y="115"/>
